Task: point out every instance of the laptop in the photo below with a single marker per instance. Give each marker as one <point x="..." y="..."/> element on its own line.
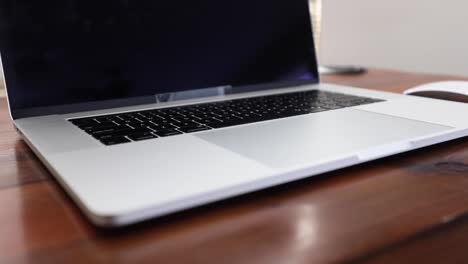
<point x="145" y="108"/>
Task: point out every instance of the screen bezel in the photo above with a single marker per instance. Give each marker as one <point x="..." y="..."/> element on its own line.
<point x="158" y="99"/>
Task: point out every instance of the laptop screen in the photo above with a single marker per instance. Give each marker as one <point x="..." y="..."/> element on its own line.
<point x="57" y="52"/>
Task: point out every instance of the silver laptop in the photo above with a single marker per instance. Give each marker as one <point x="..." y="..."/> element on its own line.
<point x="145" y="108"/>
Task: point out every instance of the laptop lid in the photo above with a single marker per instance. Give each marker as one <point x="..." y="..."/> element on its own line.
<point x="78" y="55"/>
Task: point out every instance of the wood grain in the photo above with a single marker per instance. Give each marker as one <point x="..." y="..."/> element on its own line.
<point x="386" y="211"/>
<point x="18" y="165"/>
<point x="446" y="244"/>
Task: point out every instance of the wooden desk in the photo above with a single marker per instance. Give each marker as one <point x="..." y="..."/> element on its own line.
<point x="408" y="207"/>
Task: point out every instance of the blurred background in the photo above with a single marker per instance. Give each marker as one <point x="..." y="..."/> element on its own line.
<point x="2" y="89"/>
<point x="428" y="36"/>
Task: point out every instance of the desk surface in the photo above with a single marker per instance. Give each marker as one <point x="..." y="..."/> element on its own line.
<point x="412" y="206"/>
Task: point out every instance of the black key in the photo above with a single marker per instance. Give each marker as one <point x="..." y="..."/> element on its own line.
<point x="165" y="122"/>
<point x="185" y="119"/>
<point x="174" y="120"/>
<point x="143" y="115"/>
<point x="254" y="118"/>
<point x="80" y="121"/>
<point x="186" y="124"/>
<point x="162" y="115"/>
<point x="232" y="121"/>
<point x="127" y="121"/>
<point x="209" y="122"/>
<point x="103" y="129"/>
<point x="219" y="125"/>
<point x="105" y="124"/>
<point x="102" y="119"/>
<point x="115" y="140"/>
<point x="86" y="126"/>
<point x="138" y="124"/>
<point x="141" y="136"/>
<point x="162" y="127"/>
<point x="194" y="129"/>
<point x="167" y="133"/>
<point x="246" y="116"/>
<point x="204" y="116"/>
<point x="120" y="132"/>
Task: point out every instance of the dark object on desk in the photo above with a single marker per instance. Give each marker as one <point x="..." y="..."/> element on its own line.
<point x="335" y="69"/>
<point x="456" y="91"/>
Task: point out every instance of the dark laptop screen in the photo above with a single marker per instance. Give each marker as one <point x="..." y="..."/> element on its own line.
<point x="58" y="52"/>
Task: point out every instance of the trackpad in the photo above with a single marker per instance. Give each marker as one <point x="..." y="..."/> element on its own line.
<point x="304" y="139"/>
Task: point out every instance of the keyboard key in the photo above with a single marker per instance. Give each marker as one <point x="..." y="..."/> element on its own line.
<point x="194" y="129"/>
<point x="141" y="136"/>
<point x="162" y="127"/>
<point x="83" y="121"/>
<point x="139" y="124"/>
<point x="219" y="125"/>
<point x="167" y="133"/>
<point x="120" y="132"/>
<point x="114" y="140"/>
<point x="209" y="122"/>
<point x="105" y="129"/>
<point x="88" y="126"/>
<point x="186" y="124"/>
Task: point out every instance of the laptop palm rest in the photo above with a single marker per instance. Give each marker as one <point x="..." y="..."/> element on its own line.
<point x="305" y="139"/>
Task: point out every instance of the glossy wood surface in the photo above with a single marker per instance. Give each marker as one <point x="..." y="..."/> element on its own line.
<point x="410" y="208"/>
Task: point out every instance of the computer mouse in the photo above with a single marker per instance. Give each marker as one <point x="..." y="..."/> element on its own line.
<point x="449" y="90"/>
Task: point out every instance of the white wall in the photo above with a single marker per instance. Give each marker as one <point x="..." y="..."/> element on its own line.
<point x="413" y="35"/>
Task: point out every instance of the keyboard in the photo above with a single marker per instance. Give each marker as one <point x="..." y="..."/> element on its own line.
<point x="127" y="127"/>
